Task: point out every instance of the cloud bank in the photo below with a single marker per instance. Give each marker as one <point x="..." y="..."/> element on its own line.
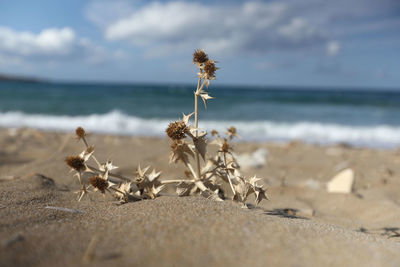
<point x="50" y="44"/>
<point x="245" y="26"/>
<point x="251" y="26"/>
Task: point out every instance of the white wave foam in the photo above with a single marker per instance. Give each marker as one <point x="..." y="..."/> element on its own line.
<point x="116" y="122"/>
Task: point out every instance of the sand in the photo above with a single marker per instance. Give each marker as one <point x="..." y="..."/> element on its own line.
<point x="301" y="225"/>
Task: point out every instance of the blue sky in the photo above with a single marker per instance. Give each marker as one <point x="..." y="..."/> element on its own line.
<point x="341" y="43"/>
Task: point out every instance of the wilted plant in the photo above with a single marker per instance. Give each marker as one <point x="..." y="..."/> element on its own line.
<point x="142" y="185"/>
<point x="189" y="143"/>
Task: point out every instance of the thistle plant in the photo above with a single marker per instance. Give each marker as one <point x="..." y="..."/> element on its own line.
<point x="189" y="146"/>
<point x="205" y="175"/>
<point x="99" y="176"/>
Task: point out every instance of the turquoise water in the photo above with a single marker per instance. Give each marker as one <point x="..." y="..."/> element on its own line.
<point x="359" y="117"/>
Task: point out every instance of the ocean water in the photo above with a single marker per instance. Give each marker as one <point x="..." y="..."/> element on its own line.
<point x="368" y="118"/>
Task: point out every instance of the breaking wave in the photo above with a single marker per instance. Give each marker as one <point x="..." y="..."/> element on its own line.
<point x="116" y="122"/>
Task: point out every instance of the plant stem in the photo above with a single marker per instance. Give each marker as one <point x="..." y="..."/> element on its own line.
<point x="117" y="190"/>
<point x="196" y="124"/>
<point x="228" y="175"/>
<point x="176" y="181"/>
<point x="111" y="174"/>
<point x="87" y="146"/>
<point x="192" y="171"/>
<point x="201" y="186"/>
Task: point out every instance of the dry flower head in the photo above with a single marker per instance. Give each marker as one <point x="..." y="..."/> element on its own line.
<point x="176" y="130"/>
<point x="199" y="57"/>
<point x="99" y="183"/>
<point x="80" y="133"/>
<point x="210" y="69"/>
<point x="76" y="162"/>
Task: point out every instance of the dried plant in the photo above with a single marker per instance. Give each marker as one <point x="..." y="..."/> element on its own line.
<point x="142" y="185"/>
<point x="204" y="175"/>
<point x="189" y="146"/>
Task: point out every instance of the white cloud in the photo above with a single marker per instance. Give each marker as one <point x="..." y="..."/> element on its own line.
<point x="251" y="26"/>
<point x="48" y="42"/>
<point x="103" y="12"/>
<point x="52" y="44"/>
<point x="333" y="48"/>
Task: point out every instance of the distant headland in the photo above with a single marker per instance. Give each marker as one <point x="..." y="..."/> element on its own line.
<point x="15" y="78"/>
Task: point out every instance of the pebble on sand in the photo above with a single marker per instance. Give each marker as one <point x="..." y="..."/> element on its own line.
<point x="341" y="182"/>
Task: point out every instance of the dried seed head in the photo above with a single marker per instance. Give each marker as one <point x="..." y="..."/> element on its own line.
<point x="225" y="146"/>
<point x="99" y="183"/>
<point x="90" y="149"/>
<point x="232" y="130"/>
<point x="75" y="162"/>
<point x="199" y="57"/>
<point x="232" y="133"/>
<point x="214" y="133"/>
<point x="176" y="130"/>
<point x="210" y="69"/>
<point x="80" y="132"/>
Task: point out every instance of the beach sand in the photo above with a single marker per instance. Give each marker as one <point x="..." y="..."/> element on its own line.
<point x="301" y="225"/>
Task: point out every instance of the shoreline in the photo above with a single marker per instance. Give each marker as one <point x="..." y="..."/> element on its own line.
<point x="14" y="130"/>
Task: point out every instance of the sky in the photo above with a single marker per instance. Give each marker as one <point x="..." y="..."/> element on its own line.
<point x="306" y="43"/>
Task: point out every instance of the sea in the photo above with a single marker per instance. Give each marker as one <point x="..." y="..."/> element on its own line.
<point x="361" y="118"/>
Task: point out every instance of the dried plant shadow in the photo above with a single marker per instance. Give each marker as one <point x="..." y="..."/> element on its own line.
<point x="286" y="213"/>
<point x="390" y="232"/>
<point x="111" y="256"/>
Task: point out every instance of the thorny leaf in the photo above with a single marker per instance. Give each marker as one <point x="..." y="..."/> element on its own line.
<point x="205" y="96"/>
<point x="86" y="154"/>
<point x="260" y="194"/>
<point x="141" y="173"/>
<point x="186" y="118"/>
<point x="242" y="191"/>
<point x="124" y="187"/>
<point x="126" y="193"/>
<point x="233" y="167"/>
<point x="195" y="131"/>
<point x="213" y="195"/>
<point x="224" y="175"/>
<point x="208" y="167"/>
<point x="108" y="166"/>
<point x="206" y="82"/>
<point x="148" y="185"/>
<point x="186" y="188"/>
<point x="253" y="180"/>
<point x="201" y="145"/>
<point x="211" y="184"/>
<point x="154" y="175"/>
<point x="154" y="191"/>
<point x="180" y="151"/>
